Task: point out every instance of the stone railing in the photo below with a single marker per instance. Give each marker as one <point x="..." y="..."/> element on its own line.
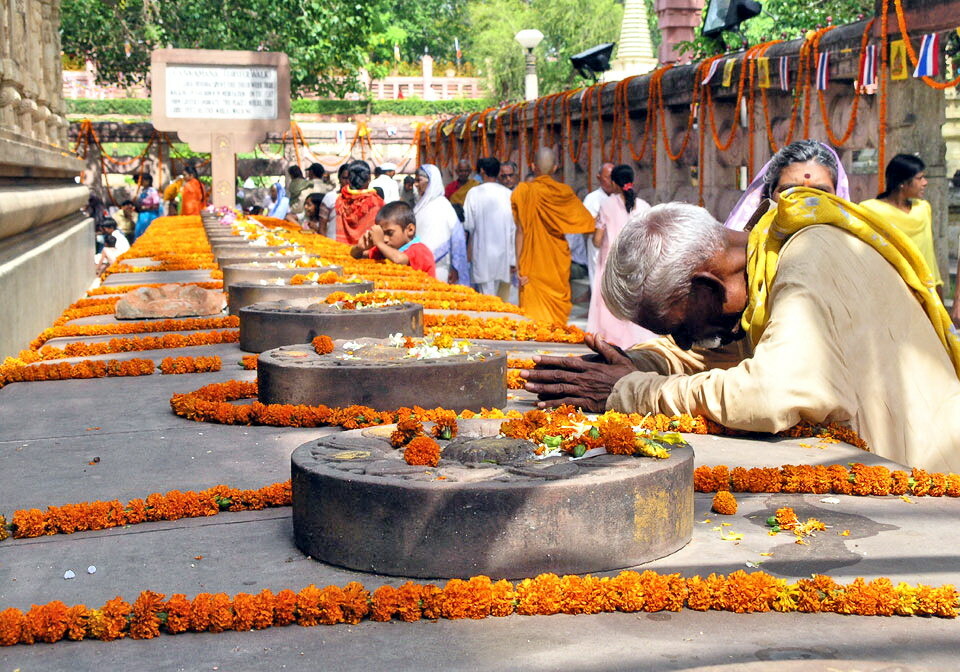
<point x="703" y="144"/>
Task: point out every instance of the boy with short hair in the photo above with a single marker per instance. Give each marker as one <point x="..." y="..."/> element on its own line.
<point x="394" y="237"/>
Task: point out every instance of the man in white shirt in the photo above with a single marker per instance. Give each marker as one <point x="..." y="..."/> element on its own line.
<point x="328" y="209"/>
<point x="488" y="219"/>
<point x="592" y="202"/>
<point x="384" y="180"/>
<point x="109" y="228"/>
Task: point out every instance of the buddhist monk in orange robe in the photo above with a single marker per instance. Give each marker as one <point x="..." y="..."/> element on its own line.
<point x="193" y="198"/>
<point x="543" y="211"/>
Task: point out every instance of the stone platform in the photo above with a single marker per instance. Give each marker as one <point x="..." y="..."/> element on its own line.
<point x="255" y="272"/>
<point x="369" y="372"/>
<point x="264" y="326"/>
<point x="488" y="508"/>
<point x="244" y="294"/>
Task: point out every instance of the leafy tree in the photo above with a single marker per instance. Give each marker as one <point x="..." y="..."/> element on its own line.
<point x="326" y="40"/>
<point x="568" y="26"/>
<point x="793" y="20"/>
<point x="416" y="27"/>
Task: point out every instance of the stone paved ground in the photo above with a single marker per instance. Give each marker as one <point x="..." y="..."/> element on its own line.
<point x="51" y="431"/>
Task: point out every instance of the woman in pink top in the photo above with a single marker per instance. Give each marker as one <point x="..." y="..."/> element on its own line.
<point x="613" y="216"/>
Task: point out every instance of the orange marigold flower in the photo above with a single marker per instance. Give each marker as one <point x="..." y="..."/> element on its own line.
<point x="284" y="607"/>
<point x="431" y="599"/>
<point x="178" y="609"/>
<point x="408" y="601"/>
<point x="422" y="451"/>
<point x="144" y="623"/>
<point x="76" y="620"/>
<point x="11" y="626"/>
<point x="502" y="598"/>
<point x="786" y="518"/>
<point x="724" y="503"/>
<point x="385" y="603"/>
<point x="323" y="344"/>
<point x="109" y="622"/>
<point x="244" y="611"/>
<point x="47" y="622"/>
<point x="540" y="596"/>
<point x="263" y="610"/>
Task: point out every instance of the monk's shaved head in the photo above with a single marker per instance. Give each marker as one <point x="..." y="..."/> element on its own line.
<point x="546" y="161"/>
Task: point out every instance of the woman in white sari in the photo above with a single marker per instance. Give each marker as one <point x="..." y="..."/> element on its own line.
<point x="439" y="228"/>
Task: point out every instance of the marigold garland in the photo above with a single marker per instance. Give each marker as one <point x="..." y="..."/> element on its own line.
<point x="249" y="362"/>
<point x="501" y="329"/>
<point x="132" y="344"/>
<point x="477" y="598"/>
<point x="175" y="365"/>
<point x="190" y="324"/>
<point x="173" y="505"/>
<point x="16" y="373"/>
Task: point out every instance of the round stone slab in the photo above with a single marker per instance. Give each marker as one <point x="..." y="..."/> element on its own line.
<point x="248" y="293"/>
<point x="357" y="504"/>
<point x="255" y="272"/>
<point x="246" y="250"/>
<point x="264" y="326"/>
<point x="376" y="375"/>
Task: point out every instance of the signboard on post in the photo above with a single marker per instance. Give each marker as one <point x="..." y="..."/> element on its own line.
<point x="222" y="102"/>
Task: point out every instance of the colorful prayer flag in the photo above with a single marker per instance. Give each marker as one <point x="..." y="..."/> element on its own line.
<point x="928" y="60"/>
<point x="728" y="71"/>
<point x="713" y="69"/>
<point x="784" y="74"/>
<point x="763" y="72"/>
<point x="868" y="67"/>
<point x="823" y="70"/>
<point x="898" y="60"/>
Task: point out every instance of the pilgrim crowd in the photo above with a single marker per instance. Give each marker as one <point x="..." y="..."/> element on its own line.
<point x="799" y="306"/>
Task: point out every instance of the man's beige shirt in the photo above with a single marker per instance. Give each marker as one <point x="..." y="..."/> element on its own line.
<point x="846" y="342"/>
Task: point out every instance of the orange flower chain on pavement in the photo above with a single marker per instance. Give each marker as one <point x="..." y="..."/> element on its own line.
<point x="500" y="329"/>
<point x="174" y="505"/>
<point x="190" y="324"/>
<point x="15" y="373"/>
<point x="476" y="598"/>
<point x="171" y="365"/>
<point x="858" y="479"/>
<point x="131" y="344"/>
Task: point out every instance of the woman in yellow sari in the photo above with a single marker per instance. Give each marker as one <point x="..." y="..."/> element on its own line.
<point x="903" y="206"/>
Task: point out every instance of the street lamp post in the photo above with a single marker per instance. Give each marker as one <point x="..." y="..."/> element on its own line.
<point x="529" y="39"/>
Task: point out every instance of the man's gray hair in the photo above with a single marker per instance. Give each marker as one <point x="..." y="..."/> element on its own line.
<point x="800" y="151"/>
<point x="652" y="262"/>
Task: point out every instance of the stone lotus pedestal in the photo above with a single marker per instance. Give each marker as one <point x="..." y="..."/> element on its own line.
<point x="264" y="326"/>
<point x="247" y="293"/>
<point x="169" y="301"/>
<point x="377" y="375"/>
<point x="254" y="272"/>
<point x="488" y="508"/>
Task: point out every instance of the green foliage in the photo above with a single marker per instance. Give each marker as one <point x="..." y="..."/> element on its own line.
<point x="793" y="20"/>
<point x="417" y="27"/>
<point x="568" y="26"/>
<point x="94" y="107"/>
<point x="325" y="39"/>
<point x="406" y="107"/>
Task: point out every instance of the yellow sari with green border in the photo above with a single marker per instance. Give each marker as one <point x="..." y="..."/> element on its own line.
<point x="801" y="207"/>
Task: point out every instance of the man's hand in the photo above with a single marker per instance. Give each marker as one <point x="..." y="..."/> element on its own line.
<point x="585" y="382"/>
<point x="522" y="280"/>
<point x="453" y="277"/>
<point x="376" y="235"/>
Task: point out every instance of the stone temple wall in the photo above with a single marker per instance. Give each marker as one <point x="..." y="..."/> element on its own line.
<point x="46" y="243"/>
<point x="587" y="134"/>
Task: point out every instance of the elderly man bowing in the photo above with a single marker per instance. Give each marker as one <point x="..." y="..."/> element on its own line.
<point x="837" y="313"/>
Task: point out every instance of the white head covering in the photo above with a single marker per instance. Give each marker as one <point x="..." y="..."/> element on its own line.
<point x="750" y="201"/>
<point x="434" y="188"/>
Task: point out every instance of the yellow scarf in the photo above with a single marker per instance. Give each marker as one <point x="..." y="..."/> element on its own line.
<point x="801" y="207"/>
